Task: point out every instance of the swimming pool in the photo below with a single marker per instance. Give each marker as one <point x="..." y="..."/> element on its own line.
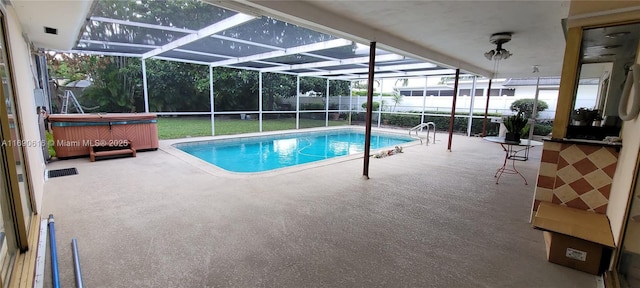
<point x="264" y="153"/>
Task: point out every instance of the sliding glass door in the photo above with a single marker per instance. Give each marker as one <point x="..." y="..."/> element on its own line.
<point x="15" y="196"/>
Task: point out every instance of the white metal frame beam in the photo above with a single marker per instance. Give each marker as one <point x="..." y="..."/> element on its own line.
<point x="289" y="51"/>
<point x="99" y="42"/>
<point x="180" y="60"/>
<point x="100" y="53"/>
<point x="306" y="14"/>
<point x="406" y="74"/>
<point x="143" y="25"/>
<point x="331" y="61"/>
<point x="202" y="33"/>
<point x="376" y="69"/>
<point x="316" y="67"/>
<point x="349" y="61"/>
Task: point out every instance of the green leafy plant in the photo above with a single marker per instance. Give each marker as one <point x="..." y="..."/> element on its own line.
<point x="397" y="99"/>
<point x="50" y="144"/>
<point x="516" y="122"/>
<point x="586" y="115"/>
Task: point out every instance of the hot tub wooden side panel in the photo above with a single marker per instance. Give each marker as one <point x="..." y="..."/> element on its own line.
<point x="141" y="136"/>
<point x="73" y="136"/>
<point x="75" y="141"/>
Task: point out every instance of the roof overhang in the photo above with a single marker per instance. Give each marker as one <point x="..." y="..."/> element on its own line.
<point x="66" y="17"/>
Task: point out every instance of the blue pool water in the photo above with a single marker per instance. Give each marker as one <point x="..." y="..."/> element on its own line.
<point x="263" y="153"/>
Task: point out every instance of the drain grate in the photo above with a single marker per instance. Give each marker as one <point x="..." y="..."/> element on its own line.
<point x="62" y="172"/>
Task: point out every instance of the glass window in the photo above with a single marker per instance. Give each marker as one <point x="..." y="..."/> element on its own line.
<point x="15" y="203"/>
<point x="433" y="93"/>
<point x="465" y="92"/>
<point x="416" y="93"/>
<point x="629" y="262"/>
<point x="508" y="92"/>
<point x="405" y="92"/>
<point x="446" y="92"/>
<point x="15" y="133"/>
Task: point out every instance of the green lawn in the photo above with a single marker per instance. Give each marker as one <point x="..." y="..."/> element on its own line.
<point x="181" y="127"/>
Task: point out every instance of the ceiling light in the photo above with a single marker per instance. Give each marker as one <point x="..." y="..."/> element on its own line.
<point x="499" y="53"/>
<point x="489" y="55"/>
<point x="536" y="69"/>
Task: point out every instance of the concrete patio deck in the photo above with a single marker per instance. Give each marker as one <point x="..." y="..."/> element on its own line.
<point x="426" y="218"/>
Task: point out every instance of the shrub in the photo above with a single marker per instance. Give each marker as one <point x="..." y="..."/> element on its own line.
<point x="50" y="144"/>
<point x="526" y="106"/>
<point x="442" y="122"/>
<point x="375" y="104"/>
<point x="312" y="106"/>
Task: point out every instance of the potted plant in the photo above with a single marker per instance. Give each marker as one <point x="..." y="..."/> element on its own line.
<point x="585" y="116"/>
<point x="514" y="124"/>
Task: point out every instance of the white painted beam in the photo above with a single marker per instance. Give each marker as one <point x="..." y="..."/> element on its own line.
<point x="117" y="44"/>
<point x="376" y="69"/>
<point x="349" y="61"/>
<point x="442" y="72"/>
<point x="202" y="53"/>
<point x="307" y="15"/>
<point x="144" y="25"/>
<point x="100" y="53"/>
<point x="289" y="51"/>
<point x="202" y="33"/>
<point x="181" y="60"/>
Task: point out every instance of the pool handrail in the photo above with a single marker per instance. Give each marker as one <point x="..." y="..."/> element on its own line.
<point x="420" y="127"/>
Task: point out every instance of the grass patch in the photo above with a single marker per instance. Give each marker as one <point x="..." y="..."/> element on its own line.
<point x="172" y="128"/>
<point x="182" y="127"/>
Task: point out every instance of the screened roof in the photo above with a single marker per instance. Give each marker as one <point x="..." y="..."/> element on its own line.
<point x="196" y="32"/>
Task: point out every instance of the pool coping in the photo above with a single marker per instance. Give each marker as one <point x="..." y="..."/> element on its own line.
<point x="168" y="146"/>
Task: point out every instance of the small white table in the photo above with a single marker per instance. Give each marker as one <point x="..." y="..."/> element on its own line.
<point x="514" y="151"/>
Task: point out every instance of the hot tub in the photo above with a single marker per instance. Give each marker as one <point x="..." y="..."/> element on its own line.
<point x="75" y="133"/>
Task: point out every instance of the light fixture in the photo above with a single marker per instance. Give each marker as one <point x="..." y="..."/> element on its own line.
<point x="499" y="53"/>
<point x="536" y="69"/>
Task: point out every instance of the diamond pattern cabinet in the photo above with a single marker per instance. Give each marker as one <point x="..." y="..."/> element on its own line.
<point x="75" y="133"/>
<point x="577" y="175"/>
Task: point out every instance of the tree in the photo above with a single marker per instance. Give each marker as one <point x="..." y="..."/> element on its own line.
<point x="118" y="87"/>
<point x="235" y="89"/>
<point x="363" y="84"/>
<point x="396" y="98"/>
<point x="177" y="86"/>
<point x="403" y="82"/>
<point x="526" y="106"/>
<point x="275" y="87"/>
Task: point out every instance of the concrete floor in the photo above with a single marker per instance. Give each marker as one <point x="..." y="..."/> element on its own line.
<point x="426" y="218"/>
